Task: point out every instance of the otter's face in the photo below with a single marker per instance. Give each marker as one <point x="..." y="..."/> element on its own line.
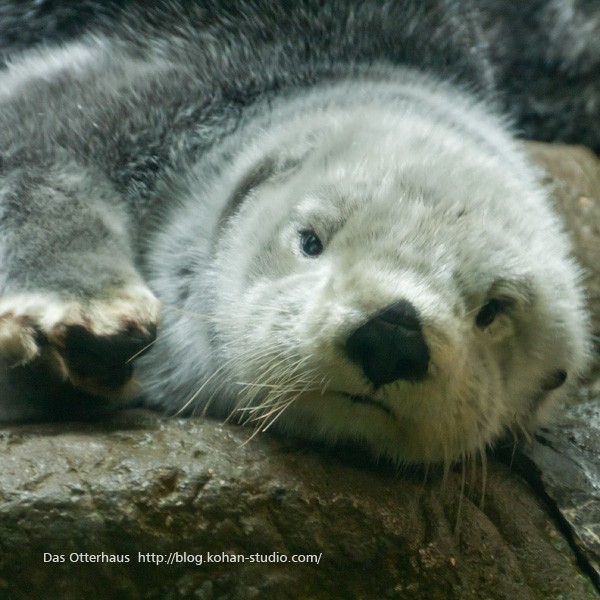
<point x="410" y="296"/>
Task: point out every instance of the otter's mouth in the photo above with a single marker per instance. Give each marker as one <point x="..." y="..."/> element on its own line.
<point x="367" y="400"/>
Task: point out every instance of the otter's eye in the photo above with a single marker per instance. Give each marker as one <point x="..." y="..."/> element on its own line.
<point x="310" y="244"/>
<point x="488" y="313"/>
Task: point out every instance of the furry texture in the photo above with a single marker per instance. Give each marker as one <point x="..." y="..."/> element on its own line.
<point x="545" y="53"/>
<point x="547" y="59"/>
<point x="281" y="179"/>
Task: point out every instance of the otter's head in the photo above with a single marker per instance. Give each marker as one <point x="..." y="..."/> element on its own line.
<point x="393" y="282"/>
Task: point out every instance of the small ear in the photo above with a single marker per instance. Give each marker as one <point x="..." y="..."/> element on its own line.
<point x="554" y="380"/>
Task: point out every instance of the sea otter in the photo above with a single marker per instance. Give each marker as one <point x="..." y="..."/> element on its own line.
<point x="340" y="234"/>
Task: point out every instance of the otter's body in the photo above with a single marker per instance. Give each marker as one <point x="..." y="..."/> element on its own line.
<point x="344" y="240"/>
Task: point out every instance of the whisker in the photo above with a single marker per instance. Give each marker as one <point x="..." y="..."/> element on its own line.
<point x="483" y="458"/>
<point x="461" y="496"/>
<point x="148" y="345"/>
<point x="201" y="388"/>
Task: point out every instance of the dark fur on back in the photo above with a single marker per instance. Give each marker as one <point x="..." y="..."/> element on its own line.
<point x="547" y="59"/>
<point x="257" y="49"/>
<point x="447" y="38"/>
<point x="545" y="53"/>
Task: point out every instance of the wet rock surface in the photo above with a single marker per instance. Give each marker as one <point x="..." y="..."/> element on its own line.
<point x="142" y="506"/>
<point x="143" y="486"/>
<point x="565" y="466"/>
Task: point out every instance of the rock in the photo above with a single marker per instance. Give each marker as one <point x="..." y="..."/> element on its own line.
<point x="143" y="486"/>
<point x="565" y="466"/>
<point x="137" y="505"/>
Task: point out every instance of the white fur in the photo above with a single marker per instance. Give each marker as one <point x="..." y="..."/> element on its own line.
<point x="27" y="68"/>
<point x="382" y="179"/>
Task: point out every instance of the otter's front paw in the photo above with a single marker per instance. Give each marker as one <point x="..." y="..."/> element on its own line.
<point x="90" y="344"/>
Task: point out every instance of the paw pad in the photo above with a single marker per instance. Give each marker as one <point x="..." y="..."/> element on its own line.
<point x="92" y="345"/>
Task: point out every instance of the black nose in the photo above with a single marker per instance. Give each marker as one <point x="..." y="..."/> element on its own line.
<point x="390" y="345"/>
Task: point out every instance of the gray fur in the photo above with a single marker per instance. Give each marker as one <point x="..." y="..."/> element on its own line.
<point x="547" y="59"/>
<point x="186" y="148"/>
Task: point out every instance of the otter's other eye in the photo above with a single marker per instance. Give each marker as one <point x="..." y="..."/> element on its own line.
<point x="310" y="244"/>
<point x="488" y="313"/>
